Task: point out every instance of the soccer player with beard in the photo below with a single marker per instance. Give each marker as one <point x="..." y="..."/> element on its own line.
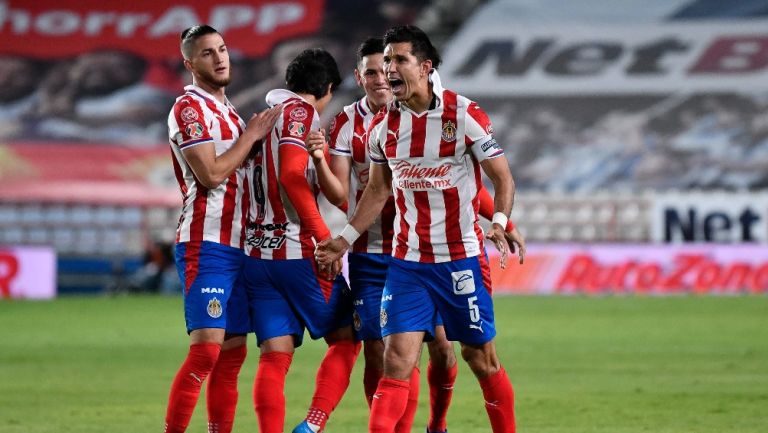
<point x="370" y="255"/>
<point x="428" y="147"/>
<point x="210" y="141"/>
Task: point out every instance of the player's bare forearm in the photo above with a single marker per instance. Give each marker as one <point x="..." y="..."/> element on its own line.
<point x="497" y="169"/>
<point x="374" y="197"/>
<point x="211" y="170"/>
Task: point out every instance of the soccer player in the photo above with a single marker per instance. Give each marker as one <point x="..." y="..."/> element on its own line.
<point x="370" y="255"/>
<point x="286" y="292"/>
<point x="428" y="146"/>
<point x="210" y="142"/>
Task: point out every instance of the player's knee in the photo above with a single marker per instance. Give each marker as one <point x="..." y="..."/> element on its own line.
<point x="441" y="353"/>
<point x="482" y="360"/>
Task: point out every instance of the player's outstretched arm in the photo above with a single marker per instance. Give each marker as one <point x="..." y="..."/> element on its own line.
<point x="370" y="205"/>
<point x="212" y="170"/>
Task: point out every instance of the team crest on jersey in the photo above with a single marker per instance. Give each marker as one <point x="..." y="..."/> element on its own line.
<point x="489" y="129"/>
<point x="214" y="308"/>
<point x="188" y="114"/>
<point x="296" y="129"/>
<point x="383" y="318"/>
<point x="298" y="113"/>
<point x="356" y="321"/>
<point x="194" y="130"/>
<point x="449" y="131"/>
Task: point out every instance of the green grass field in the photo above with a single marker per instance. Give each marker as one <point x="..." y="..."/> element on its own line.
<point x="612" y="365"/>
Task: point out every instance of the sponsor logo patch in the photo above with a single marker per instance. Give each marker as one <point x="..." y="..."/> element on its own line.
<point x="298" y="113"/>
<point x="449" y="131"/>
<point x="296" y="129"/>
<point x="188" y="114"/>
<point x="214" y="308"/>
<point x="490" y="144"/>
<point x="463" y="282"/>
<point x="212" y="290"/>
<point x="194" y="130"/>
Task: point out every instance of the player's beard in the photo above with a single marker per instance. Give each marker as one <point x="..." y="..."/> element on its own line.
<point x="215" y="82"/>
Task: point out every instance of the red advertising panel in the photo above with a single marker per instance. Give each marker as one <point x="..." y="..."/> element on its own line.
<point x="150" y="28"/>
<point x="635" y="269"/>
<point x="93" y="174"/>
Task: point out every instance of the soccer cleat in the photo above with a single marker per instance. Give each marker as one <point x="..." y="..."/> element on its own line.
<point x="444" y="431"/>
<point x="303" y="427"/>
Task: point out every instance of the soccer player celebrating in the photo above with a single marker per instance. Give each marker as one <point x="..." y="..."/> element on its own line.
<point x="285" y="290"/>
<point x="370" y="255"/>
<point x="428" y="146"/>
<point x="209" y="142"/>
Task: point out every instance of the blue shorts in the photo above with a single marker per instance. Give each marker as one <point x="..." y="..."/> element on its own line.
<point x="287" y="296"/>
<point x="213" y="295"/>
<point x="367" y="273"/>
<point x="415" y="292"/>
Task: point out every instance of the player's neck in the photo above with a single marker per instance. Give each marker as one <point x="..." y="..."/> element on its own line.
<point x="420" y="102"/>
<point x="215" y="91"/>
<point x="309" y="98"/>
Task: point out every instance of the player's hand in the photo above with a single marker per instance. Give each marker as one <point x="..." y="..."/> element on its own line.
<point x="496" y="235"/>
<point x="316" y="144"/>
<point x="330" y="251"/>
<point x="516" y="242"/>
<point x="261" y="123"/>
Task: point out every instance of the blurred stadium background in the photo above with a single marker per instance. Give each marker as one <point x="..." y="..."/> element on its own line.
<point x="637" y="132"/>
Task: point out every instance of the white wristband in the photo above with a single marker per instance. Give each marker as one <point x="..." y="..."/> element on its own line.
<point x="500" y="219"/>
<point x="349" y="234"/>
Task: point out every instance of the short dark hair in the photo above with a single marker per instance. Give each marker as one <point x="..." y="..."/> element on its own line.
<point x="421" y="46"/>
<point x="370" y="46"/>
<point x="311" y="72"/>
<point x="190" y="35"/>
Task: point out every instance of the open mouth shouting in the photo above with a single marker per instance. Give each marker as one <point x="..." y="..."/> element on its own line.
<point x="397" y="85"/>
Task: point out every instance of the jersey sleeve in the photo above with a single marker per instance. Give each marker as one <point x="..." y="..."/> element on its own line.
<point x="296" y="123"/>
<point x="479" y="134"/>
<point x="375" y="137"/>
<point x="341" y="131"/>
<point x="293" y="166"/>
<point x="188" y="127"/>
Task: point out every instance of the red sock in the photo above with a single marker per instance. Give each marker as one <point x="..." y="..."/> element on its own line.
<point x="499" y="401"/>
<point x="221" y="396"/>
<point x="371" y="378"/>
<point x="269" y="391"/>
<point x="332" y="380"/>
<point x="186" y="386"/>
<point x="406" y="421"/>
<point x="441" y="383"/>
<point x="388" y="405"/>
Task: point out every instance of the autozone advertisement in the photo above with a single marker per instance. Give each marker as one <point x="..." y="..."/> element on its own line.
<point x="151" y="28"/>
<point x="634" y="269"/>
<point x="27" y="272"/>
<point x="606" y="58"/>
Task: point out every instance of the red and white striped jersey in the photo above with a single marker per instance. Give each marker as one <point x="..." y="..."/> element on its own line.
<point x="347" y="140"/>
<point x="275" y="231"/>
<point x="215" y="215"/>
<point x="435" y="161"/>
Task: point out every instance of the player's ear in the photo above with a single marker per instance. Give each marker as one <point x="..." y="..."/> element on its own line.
<point x="188" y="65"/>
<point x="358" y="78"/>
<point x="426" y="66"/>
